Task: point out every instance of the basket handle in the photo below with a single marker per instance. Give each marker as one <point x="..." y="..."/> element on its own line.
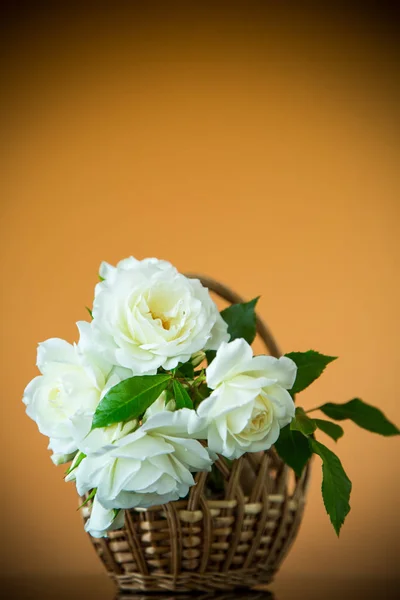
<point x="230" y="296"/>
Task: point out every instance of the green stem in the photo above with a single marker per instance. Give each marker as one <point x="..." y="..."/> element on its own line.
<point x="200" y="379"/>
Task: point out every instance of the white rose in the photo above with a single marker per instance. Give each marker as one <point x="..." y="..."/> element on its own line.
<point x="250" y="402"/>
<point x="102" y="520"/>
<point x="146" y="315"/>
<point x="153" y="465"/>
<point x="65" y="396"/>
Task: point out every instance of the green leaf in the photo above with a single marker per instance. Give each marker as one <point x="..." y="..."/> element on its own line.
<point x="310" y="366"/>
<point x="293" y="448"/>
<point x="336" y="486"/>
<point x="332" y="429"/>
<point x="76" y="462"/>
<point x="89" y="311"/>
<point x="185" y="369"/>
<point x="101" y="278"/>
<point x="302" y="423"/>
<point x="182" y="398"/>
<point x="129" y="399"/>
<point x="241" y="320"/>
<point x="169" y="395"/>
<point x="364" y="415"/>
<point x="210" y="355"/>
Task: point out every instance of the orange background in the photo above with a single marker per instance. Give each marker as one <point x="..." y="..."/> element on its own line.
<point x="258" y="147"/>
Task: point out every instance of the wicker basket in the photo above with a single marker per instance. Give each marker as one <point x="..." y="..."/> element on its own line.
<point x="212" y="541"/>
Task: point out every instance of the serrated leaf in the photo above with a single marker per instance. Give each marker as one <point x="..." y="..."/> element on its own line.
<point x="336" y="486"/>
<point x="310" y="365"/>
<point x="303" y="423"/>
<point x="241" y="320"/>
<point x="294" y="449"/>
<point x="182" y="398"/>
<point x="129" y="399"/>
<point x="332" y="429"/>
<point x="363" y="414"/>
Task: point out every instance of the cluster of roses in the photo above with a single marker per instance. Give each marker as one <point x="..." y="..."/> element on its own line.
<point x="130" y="401"/>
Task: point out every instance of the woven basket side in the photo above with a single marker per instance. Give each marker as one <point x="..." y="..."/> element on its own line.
<point x="206" y="544"/>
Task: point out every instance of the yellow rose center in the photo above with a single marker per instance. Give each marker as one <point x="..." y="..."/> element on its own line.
<point x="259" y="421"/>
<point x="165" y="322"/>
<point x="54" y="397"/>
<point x="261" y="417"/>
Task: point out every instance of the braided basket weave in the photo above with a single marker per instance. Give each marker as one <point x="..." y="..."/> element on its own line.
<point x="208" y="541"/>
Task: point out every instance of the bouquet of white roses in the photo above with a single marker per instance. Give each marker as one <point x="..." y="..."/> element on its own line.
<point x="160" y="383"/>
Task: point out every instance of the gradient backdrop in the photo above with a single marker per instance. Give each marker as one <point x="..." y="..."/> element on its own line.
<point x="257" y="145"/>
